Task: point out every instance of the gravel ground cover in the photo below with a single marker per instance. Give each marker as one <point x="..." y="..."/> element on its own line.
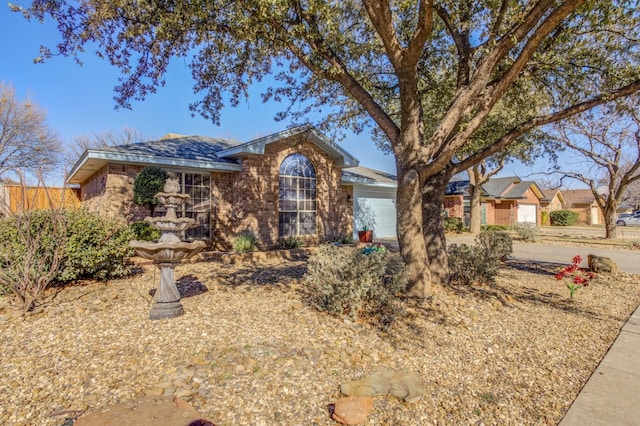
<point x="249" y="352"/>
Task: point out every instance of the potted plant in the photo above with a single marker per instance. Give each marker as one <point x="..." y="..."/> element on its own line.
<point x="366" y="235"/>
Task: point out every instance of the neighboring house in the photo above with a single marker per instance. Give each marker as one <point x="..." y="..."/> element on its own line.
<point x="554" y="200"/>
<point x="292" y="183"/>
<point x="584" y="203"/>
<point x="16" y="198"/>
<point x="504" y="201"/>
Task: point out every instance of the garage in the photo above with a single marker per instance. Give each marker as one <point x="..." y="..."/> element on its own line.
<point x="527" y="213"/>
<point x="375" y="208"/>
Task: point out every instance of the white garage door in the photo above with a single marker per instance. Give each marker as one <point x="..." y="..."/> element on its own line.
<point x="527" y="213"/>
<point x="375" y="208"/>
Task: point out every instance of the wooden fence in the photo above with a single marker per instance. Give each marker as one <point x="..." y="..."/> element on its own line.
<point x="18" y="198"/>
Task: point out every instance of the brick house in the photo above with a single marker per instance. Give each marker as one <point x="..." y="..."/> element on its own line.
<point x="504" y="201"/>
<point x="292" y="183"/>
<point x="554" y="200"/>
<point x="584" y="203"/>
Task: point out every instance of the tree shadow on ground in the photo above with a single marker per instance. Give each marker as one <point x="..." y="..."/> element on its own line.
<point x="528" y="292"/>
<point x="253" y="277"/>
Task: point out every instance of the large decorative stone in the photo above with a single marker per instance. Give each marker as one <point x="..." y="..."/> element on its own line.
<point x="408" y="386"/>
<point x="352" y="410"/>
<point x="148" y="411"/>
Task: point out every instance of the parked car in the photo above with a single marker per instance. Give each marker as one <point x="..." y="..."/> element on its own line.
<point x="628" y="219"/>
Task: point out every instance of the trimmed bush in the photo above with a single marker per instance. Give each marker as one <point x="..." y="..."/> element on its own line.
<point x="145" y="232"/>
<point x="453" y="224"/>
<point x="563" y="218"/>
<point x="345" y="281"/>
<point x="244" y="242"/>
<point x="498" y="243"/>
<point x="97" y="247"/>
<point x="472" y="264"/>
<point x="526" y="231"/>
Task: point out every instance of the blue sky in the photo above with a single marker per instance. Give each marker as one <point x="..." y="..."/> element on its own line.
<point x="79" y="99"/>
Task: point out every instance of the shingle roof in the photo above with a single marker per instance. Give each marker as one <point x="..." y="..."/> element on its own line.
<point x="575" y="197"/>
<point x="177" y="146"/>
<point x="517" y="190"/>
<point x="496" y="186"/>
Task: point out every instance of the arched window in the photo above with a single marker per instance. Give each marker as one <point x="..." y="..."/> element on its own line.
<point x="297" y="197"/>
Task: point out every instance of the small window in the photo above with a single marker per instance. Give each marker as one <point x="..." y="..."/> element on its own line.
<point x="297" y="197"/>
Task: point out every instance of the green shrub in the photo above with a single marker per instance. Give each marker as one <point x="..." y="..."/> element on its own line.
<point x="145" y="232"/>
<point x="43" y="246"/>
<point x="244" y="242"/>
<point x="563" y="218"/>
<point x="453" y="224"/>
<point x="526" y="231"/>
<point x="344" y="281"/>
<point x="290" y="242"/>
<point x="97" y="247"/>
<point x="499" y="243"/>
<point x="472" y="264"/>
<point x="494" y="227"/>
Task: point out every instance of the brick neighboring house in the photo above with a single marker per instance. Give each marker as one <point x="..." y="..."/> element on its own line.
<point x="292" y="183"/>
<point x="504" y="201"/>
<point x="584" y="203"/>
<point x="554" y="200"/>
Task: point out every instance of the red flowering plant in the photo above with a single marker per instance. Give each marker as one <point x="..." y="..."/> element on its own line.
<point x="576" y="276"/>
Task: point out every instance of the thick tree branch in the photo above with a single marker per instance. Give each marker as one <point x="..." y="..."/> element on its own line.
<point x="542" y="120"/>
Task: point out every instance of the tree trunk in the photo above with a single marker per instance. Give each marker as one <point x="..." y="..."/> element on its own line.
<point x="433" y="192"/>
<point x="610" y="227"/>
<point x="475" y="191"/>
<point x="410" y="233"/>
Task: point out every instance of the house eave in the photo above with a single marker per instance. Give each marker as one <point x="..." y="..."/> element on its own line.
<point x="257" y="147"/>
<point x="352" y="180"/>
<point x="92" y="161"/>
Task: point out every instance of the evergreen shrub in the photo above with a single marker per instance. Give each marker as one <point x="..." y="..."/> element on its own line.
<point x="346" y="281"/>
<point x="563" y="218"/>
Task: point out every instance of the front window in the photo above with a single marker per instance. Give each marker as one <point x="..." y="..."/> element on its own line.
<point x="198" y="207"/>
<point x="297" y="197"/>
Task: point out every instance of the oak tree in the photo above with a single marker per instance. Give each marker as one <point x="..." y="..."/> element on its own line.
<point x="426" y="74"/>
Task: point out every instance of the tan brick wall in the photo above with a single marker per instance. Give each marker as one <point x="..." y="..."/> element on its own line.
<point x="110" y="191"/>
<point x="222" y="186"/>
<point x="255" y="205"/>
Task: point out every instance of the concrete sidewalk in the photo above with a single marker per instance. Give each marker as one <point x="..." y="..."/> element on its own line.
<point x="612" y="394"/>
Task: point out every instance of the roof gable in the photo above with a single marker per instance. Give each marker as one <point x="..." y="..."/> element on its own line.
<point x="257" y="146"/>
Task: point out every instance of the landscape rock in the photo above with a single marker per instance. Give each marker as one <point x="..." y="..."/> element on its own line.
<point x="147" y="411"/>
<point x="407" y="386"/>
<point x="352" y="410"/>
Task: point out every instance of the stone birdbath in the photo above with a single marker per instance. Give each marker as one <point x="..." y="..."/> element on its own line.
<point x="168" y="251"/>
